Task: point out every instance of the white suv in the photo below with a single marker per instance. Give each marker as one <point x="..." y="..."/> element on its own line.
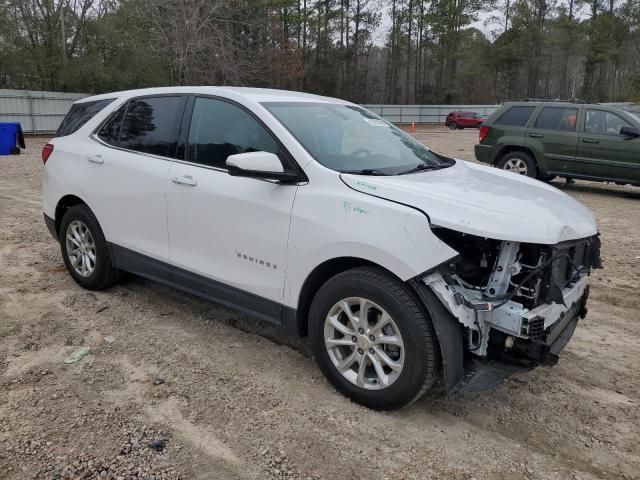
<point x="404" y="267"/>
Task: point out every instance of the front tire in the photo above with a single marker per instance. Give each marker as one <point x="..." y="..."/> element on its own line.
<point x="85" y="251"/>
<point x="384" y="359"/>
<point x="519" y="162"/>
<point x="453" y="126"/>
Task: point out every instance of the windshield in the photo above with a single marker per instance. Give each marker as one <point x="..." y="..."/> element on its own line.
<point x="635" y="113"/>
<point x="351" y="139"/>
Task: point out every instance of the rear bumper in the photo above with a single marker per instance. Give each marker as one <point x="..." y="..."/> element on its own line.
<point x="483" y="153"/>
<point x="51" y="225"/>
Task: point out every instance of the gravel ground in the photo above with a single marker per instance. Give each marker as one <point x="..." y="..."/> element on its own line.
<point x="175" y="387"/>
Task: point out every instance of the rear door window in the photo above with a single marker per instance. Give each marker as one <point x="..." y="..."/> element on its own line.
<point x="150" y="125"/>
<point x="516" y="116"/>
<point x="80" y="114"/>
<point x="557" y="118"/>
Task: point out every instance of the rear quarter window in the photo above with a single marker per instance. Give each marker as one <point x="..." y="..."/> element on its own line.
<point x="110" y="131"/>
<point x="515" y="116"/>
<point x="79" y="115"/>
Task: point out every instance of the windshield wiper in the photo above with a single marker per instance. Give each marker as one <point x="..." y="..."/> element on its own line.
<point x="423" y="167"/>
<point x="365" y="171"/>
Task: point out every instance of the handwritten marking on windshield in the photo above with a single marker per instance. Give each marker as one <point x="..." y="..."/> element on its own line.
<point x="355" y="210"/>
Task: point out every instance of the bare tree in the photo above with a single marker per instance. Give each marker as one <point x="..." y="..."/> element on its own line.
<point x="199" y="38"/>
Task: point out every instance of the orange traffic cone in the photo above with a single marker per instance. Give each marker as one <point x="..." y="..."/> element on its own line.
<point x="413" y="127"/>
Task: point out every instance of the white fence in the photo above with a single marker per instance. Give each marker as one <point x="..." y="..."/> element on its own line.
<point x="42" y="112"/>
<point x="37" y="112"/>
<point x="425" y="113"/>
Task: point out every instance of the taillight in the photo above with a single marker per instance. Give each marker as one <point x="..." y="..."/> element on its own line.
<point x="47" y="150"/>
<point x="484" y="131"/>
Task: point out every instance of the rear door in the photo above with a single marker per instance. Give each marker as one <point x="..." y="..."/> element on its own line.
<point x="552" y="134"/>
<point x="603" y="152"/>
<point x="229" y="230"/>
<point x="126" y="169"/>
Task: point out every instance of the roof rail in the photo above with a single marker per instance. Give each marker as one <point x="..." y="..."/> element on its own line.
<point x="569" y="100"/>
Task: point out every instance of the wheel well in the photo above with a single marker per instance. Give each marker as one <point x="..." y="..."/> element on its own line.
<point x="64" y="204"/>
<point x="319" y="277"/>
<point x="514" y="148"/>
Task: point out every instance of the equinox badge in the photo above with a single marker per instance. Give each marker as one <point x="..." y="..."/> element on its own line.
<point x="258" y="261"/>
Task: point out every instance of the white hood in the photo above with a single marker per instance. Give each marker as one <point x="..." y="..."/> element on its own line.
<point x="485" y="201"/>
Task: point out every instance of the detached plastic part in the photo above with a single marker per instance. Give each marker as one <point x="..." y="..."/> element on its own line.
<point x="77" y="355"/>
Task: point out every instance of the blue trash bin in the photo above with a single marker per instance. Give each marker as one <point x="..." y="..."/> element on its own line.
<point x="10" y="137"/>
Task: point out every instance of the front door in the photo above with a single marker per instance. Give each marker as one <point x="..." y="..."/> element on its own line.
<point x="603" y="152"/>
<point x="231" y="230"/>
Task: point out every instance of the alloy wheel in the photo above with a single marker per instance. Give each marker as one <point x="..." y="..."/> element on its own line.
<point x="364" y="343"/>
<point x="516" y="165"/>
<point x="81" y="248"/>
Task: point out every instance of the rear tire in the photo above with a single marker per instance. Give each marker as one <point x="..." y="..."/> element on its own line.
<point x="85" y="251"/>
<point x="453" y="126"/>
<point x="393" y="374"/>
<point x="519" y="162"/>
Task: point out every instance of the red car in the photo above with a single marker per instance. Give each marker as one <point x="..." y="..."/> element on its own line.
<point x="457" y="120"/>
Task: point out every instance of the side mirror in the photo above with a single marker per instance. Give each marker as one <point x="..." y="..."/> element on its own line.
<point x="263" y="165"/>
<point x="631" y="132"/>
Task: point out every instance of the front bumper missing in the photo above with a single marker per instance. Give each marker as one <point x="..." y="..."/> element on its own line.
<point x="487" y="374"/>
<point x="512" y="332"/>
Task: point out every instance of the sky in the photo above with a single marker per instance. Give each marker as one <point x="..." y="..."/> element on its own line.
<point x="380" y="34"/>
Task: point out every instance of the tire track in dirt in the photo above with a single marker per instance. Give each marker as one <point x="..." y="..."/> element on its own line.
<point x="234" y="404"/>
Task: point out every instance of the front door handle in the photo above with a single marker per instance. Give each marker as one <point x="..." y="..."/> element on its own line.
<point x="97" y="158"/>
<point x="590" y="140"/>
<point x="187" y="180"/>
<point x="536" y="135"/>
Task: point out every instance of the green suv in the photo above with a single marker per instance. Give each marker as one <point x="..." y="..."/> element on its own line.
<point x="573" y="140"/>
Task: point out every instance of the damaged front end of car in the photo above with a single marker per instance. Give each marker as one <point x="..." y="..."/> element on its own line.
<point x="517" y="303"/>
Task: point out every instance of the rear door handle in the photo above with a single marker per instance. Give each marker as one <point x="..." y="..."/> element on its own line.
<point x="590" y="140"/>
<point x="187" y="180"/>
<point x="97" y="158"/>
<point x="536" y="135"/>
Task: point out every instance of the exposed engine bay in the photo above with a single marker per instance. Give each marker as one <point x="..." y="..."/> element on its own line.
<point x="517" y="300"/>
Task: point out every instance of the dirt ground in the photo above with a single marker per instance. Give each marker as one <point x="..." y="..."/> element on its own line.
<point x="224" y="397"/>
